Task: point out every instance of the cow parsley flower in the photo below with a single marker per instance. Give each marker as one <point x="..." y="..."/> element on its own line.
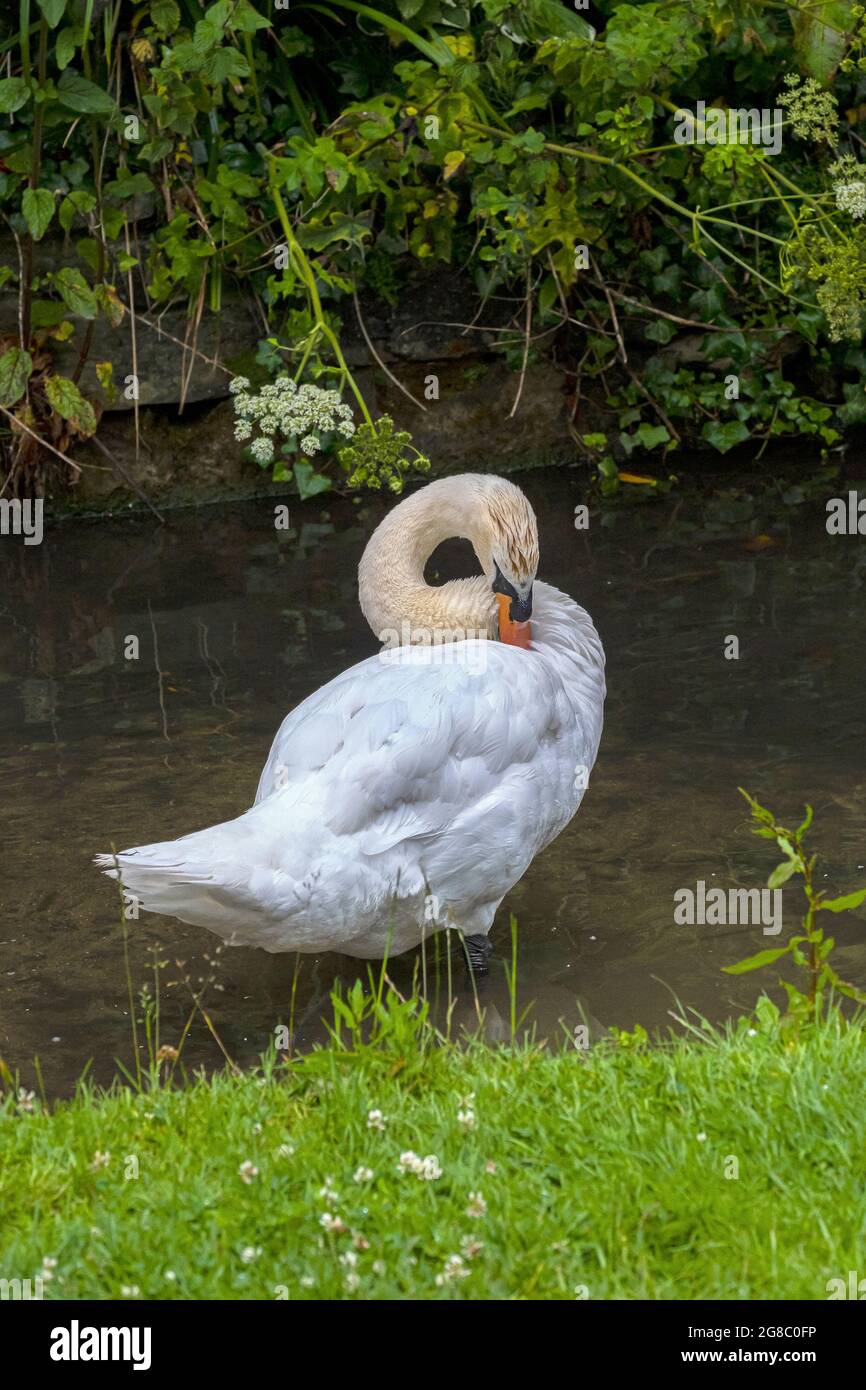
<point x="811" y="108"/>
<point x="851" y="197"/>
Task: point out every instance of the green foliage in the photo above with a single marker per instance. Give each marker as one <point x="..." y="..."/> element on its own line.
<point x="809" y="949"/>
<point x="498" y="136"/>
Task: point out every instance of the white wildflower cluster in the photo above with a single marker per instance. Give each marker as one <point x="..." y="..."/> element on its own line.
<point x="376" y="1120"/>
<point x="428" y="1169"/>
<point x="455" y="1268"/>
<point x="851" y="197"/>
<point x="247" y="1171"/>
<point x="305" y="413"/>
<point x="364" y="1174"/>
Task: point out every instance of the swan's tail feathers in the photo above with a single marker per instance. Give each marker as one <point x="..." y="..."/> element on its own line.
<point x="192" y="878"/>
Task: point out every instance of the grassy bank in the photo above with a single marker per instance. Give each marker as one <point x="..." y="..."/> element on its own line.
<point x="720" y="1166"/>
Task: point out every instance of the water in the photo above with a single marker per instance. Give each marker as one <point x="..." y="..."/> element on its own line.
<point x="238" y="622"/>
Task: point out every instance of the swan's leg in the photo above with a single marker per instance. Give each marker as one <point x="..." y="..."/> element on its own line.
<point x="477" y="951"/>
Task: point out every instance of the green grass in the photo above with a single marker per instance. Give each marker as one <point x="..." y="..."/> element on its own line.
<point x="604" y="1170"/>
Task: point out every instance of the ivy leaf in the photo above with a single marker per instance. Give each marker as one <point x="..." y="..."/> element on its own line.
<point x="843" y="904"/>
<point x="310" y="483"/>
<point x="128" y="186"/>
<point x="52" y="11"/>
<point x="14" y="93"/>
<point x="723" y="436"/>
<point x="659" y="331"/>
<point x="75" y="292"/>
<point x="15" y="368"/>
<point x="69" y="403"/>
<point x="79" y="94"/>
<point x="755" y="962"/>
<point x="37" y="208"/>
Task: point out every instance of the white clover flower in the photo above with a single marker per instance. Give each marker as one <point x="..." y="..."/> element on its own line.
<point x="476" y="1206"/>
<point x="25" y="1099"/>
<point x="851" y="198"/>
<point x="332" y="1224"/>
<point x="466" y="1119"/>
<point x="129" y="1291"/>
<point x="99" y="1160"/>
<point x="410" y="1162"/>
<point x="455" y="1268"/>
<point x="349" y="1259"/>
<point x="376" y="1120"/>
<point x="247" y="1171"/>
<point x="285" y="1151"/>
<point x="351" y="1281"/>
<point x="431" y="1168"/>
<point x="378" y="1266"/>
<point x="363" y="1174"/>
<point x="310" y="444"/>
<point x="250" y="1253"/>
<point x="701" y="1138"/>
<point x="170" y="1277"/>
<point x="327" y="1192"/>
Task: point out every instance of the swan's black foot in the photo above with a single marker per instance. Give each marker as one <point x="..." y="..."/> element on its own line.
<point x="478" y="950"/>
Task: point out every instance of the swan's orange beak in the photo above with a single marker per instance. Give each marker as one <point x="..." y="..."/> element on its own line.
<point x="515" y="634"/>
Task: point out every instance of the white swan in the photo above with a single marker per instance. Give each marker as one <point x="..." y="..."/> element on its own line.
<point x="411" y="792"/>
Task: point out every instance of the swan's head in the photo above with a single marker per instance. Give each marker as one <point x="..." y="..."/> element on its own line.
<point x="507" y="546"/>
<point x="493" y="514"/>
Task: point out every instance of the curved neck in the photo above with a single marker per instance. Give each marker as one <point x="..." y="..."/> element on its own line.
<point x="398" y="603"/>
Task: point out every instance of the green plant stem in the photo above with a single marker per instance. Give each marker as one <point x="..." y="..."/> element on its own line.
<point x="307" y="274"/>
